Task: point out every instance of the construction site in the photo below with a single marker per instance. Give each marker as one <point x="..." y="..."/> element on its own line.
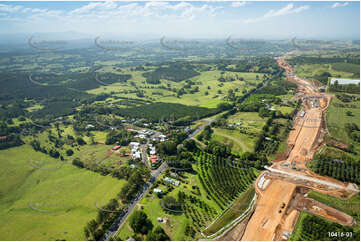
<point x="282" y="188"/>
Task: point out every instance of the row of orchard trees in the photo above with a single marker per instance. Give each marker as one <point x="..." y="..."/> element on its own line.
<point x="314" y="228"/>
<point x="345" y="169"/>
<point x="223" y="179"/>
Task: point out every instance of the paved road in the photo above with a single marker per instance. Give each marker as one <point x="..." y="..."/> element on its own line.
<point x="195" y="132"/>
<point x="210" y="121"/>
<point x="118" y="223"/>
<point x="307" y="178"/>
<point x="155" y="174"/>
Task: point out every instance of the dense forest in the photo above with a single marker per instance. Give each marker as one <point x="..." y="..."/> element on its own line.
<point x="173" y="72"/>
<point x="159" y="111"/>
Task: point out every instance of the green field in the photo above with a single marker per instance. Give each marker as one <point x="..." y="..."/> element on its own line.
<point x="337" y="118"/>
<point x="249" y="121"/>
<point x="238" y="142"/>
<point x="347" y="67"/>
<point x="311" y="70"/>
<point x="205" y="79"/>
<point x="62" y="196"/>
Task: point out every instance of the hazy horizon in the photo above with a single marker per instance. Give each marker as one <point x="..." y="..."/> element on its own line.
<point x="185" y="19"/>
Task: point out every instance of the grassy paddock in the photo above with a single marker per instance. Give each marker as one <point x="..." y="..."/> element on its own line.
<point x="337" y="118"/>
<point x="310" y="70"/>
<point x="41" y="199"/>
<point x="203" y="81"/>
<point x="238" y="142"/>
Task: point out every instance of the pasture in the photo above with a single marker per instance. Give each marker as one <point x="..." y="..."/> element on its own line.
<point x="337" y="117"/>
<point x="211" y="91"/>
<point x="238" y="142"/>
<point x="44" y="199"/>
<point x="310" y="70"/>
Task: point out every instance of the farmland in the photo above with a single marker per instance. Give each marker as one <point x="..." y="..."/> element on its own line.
<point x="38" y="192"/>
<point x="237" y="141"/>
<point x="154" y="143"/>
<point x="311" y="70"/>
<point x="210" y="91"/>
<point x="311" y="227"/>
<point x="190" y="215"/>
<point x="340" y="114"/>
<point x="238" y="207"/>
<point x="80" y="137"/>
<point x="323" y="66"/>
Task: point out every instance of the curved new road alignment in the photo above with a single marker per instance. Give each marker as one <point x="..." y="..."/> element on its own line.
<point x="269" y="222"/>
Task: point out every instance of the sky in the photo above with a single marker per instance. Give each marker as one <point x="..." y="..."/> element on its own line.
<point x="185" y="19"/>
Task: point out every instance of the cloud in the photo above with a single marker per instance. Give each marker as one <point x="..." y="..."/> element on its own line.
<point x="335" y="5"/>
<point x="159" y="10"/>
<point x="113" y="11"/>
<point x="288" y="9"/>
<point x="9" y="8"/>
<point x="111" y="16"/>
<point x="238" y="4"/>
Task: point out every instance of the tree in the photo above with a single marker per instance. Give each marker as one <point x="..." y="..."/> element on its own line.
<point x="190" y="145"/>
<point x="80" y="141"/>
<point x="90" y="228"/>
<point x="170" y="203"/>
<point x="69" y="152"/>
<point x="78" y="163"/>
<point x="224" y="106"/>
<point x="35" y="144"/>
<point x="54" y="153"/>
<point x="207" y="132"/>
<point x="167" y="148"/>
<point x="158" y="234"/>
<point x="262" y="112"/>
<point x="140" y="223"/>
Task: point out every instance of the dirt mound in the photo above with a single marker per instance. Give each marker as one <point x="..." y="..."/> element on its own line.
<point x="280" y="157"/>
<point x="338" y="144"/>
<point x="314" y="207"/>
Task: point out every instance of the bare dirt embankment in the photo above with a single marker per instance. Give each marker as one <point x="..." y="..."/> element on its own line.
<point x="280" y="202"/>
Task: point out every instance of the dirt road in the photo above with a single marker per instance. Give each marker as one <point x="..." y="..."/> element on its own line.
<point x="269" y="211"/>
<point x="273" y="218"/>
